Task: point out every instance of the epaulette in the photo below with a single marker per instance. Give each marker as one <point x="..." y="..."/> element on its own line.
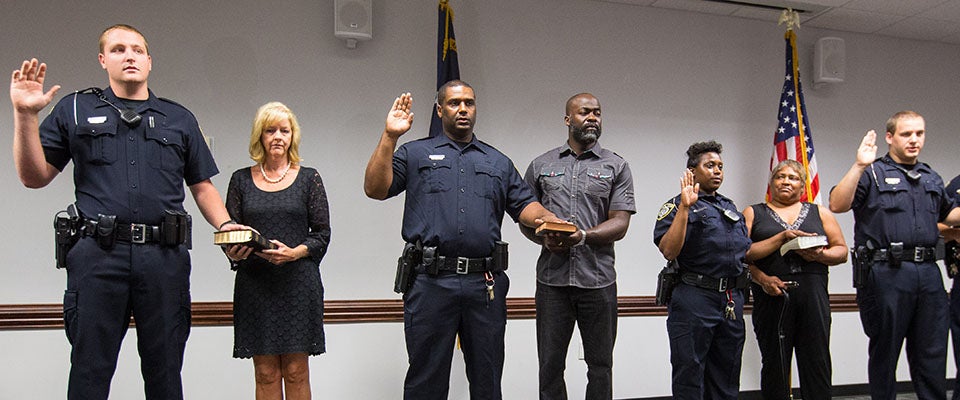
<point x="172" y="102"/>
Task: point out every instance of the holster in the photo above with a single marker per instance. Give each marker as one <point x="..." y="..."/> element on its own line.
<point x="862" y="260"/>
<point x="66" y="228"/>
<point x="175" y="228"/>
<point x="951" y="258"/>
<point x="501" y="256"/>
<point x="407" y="268"/>
<point x="667" y="280"/>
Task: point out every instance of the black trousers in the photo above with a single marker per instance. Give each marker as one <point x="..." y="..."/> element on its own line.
<point x="806" y="331"/>
<point x="439" y="308"/>
<point x="104" y="288"/>
<point x="595" y="312"/>
<point x="906" y="304"/>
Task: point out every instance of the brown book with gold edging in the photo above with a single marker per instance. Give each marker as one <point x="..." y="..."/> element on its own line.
<point x="555" y="227"/>
<point x="245" y="237"/>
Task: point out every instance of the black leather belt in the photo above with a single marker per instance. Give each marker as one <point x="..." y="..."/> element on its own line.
<point x="717" y="284"/>
<point x="464" y="265"/>
<point x="130" y="233"/>
<point x="915" y="254"/>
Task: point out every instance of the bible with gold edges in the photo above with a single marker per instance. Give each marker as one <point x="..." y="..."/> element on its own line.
<point x="555" y="227"/>
<point x="246" y="237"/>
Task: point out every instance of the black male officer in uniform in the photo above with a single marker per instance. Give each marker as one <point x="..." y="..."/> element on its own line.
<point x="132" y="152"/>
<point x="457" y="190"/>
<point x="897" y="202"/>
<point x="703" y="232"/>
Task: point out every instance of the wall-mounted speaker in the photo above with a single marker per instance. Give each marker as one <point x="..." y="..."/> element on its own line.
<point x="353" y="20"/>
<point x="829" y="60"/>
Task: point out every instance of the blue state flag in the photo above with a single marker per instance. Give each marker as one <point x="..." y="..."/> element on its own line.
<point x="448" y="67"/>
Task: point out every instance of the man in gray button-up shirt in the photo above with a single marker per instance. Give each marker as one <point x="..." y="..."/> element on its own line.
<point x="591" y="187"/>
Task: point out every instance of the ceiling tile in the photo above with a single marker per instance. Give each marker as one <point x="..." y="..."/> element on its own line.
<point x="708" y="7"/>
<point x="848" y="20"/>
<point x="895" y="7"/>
<point x="954" y="38"/>
<point x="949" y="11"/>
<point x="634" y="2"/>
<point x="920" y="28"/>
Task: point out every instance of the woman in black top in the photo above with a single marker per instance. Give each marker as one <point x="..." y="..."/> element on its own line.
<point x="804" y="320"/>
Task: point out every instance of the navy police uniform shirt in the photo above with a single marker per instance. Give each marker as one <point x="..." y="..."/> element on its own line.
<point x="714" y="245"/>
<point x="888" y="207"/>
<point x="136" y="172"/>
<point x="456" y="197"/>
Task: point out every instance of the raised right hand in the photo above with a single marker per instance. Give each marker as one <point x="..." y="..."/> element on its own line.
<point x="867" y="152"/>
<point x="689" y="191"/>
<point x="26" y="87"/>
<point x="400" y="118"/>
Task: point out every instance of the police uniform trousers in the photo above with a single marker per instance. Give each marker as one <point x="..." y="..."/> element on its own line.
<point x="906" y="302"/>
<point x="594" y="311"/>
<point x="805" y="323"/>
<point x="438" y="308"/>
<point x="705" y="347"/>
<point x="955" y="331"/>
<point x="104" y="288"/>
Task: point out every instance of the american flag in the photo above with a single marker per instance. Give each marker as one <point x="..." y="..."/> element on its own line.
<point x="793" y="140"/>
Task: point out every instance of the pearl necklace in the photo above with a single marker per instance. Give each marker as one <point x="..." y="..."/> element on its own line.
<point x="278" y="180"/>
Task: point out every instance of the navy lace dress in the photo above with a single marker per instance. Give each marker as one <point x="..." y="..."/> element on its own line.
<point x="278" y="309"/>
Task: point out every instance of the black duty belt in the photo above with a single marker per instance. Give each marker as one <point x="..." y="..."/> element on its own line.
<point x="717" y="284"/>
<point x="915" y="254"/>
<point x="464" y="265"/>
<point x="130" y="233"/>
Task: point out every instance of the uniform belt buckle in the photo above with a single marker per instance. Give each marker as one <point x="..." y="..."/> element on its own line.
<point x="722" y="284"/>
<point x="138" y="233"/>
<point x="918" y="254"/>
<point x="463" y="265"/>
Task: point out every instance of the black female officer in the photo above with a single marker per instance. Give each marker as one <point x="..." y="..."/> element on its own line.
<point x="703" y="232"/>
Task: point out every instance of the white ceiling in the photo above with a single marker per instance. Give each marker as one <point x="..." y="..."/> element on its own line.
<point x="930" y="20"/>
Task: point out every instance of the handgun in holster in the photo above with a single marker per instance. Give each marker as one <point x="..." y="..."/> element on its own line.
<point x="66" y="228"/>
<point x="406" y="267"/>
<point x="667" y="280"/>
<point x="862" y="260"/>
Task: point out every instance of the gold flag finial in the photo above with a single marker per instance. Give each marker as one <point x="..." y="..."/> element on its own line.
<point x="789" y="17"/>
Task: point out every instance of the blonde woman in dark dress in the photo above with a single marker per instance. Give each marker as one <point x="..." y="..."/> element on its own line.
<point x="278" y="294"/>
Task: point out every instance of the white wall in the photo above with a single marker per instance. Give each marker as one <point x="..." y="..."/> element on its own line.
<point x="665" y="78"/>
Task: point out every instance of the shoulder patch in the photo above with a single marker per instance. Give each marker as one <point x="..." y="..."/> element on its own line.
<point x="665" y="210"/>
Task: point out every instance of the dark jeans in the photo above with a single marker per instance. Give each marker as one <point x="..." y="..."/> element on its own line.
<point x="595" y="312"/>
<point x="437" y="309"/>
<point x="103" y="289"/>
<point x="906" y="302"/>
<point x="806" y="330"/>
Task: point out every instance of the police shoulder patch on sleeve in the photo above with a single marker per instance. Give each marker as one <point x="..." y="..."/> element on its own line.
<point x="665" y="210"/>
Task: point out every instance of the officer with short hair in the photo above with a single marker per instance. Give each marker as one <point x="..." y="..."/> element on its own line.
<point x="704" y="233"/>
<point x="457" y="191"/>
<point x="132" y="152"/>
<point x="897" y="202"/>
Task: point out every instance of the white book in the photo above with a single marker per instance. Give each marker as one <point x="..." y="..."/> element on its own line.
<point x="803" y="242"/>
